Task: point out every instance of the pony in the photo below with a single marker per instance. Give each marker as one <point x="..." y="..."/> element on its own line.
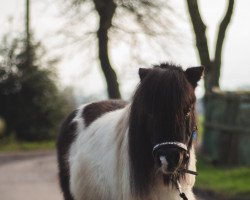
<point x="138" y="150"/>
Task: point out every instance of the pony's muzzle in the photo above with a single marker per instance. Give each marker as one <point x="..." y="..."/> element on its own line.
<point x="169" y="160"/>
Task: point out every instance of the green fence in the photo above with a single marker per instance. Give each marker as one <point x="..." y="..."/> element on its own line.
<point x="227" y="128"/>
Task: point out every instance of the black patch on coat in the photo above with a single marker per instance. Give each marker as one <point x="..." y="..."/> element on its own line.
<point x="64" y="140"/>
<point x="95" y="110"/>
<point x="158" y="112"/>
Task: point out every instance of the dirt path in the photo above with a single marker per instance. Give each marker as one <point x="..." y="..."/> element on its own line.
<point x="33" y="176"/>
<point x="29" y="176"/>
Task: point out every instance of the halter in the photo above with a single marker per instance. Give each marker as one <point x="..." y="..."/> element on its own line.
<point x="185" y="148"/>
<point x="170" y="144"/>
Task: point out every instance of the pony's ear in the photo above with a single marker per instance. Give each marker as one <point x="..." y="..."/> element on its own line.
<point x="194" y="74"/>
<point x="143" y="73"/>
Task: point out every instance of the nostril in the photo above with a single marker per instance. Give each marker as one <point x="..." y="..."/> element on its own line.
<point x="163" y="160"/>
<point x="164" y="164"/>
<point x="167" y="165"/>
<point x="170" y="160"/>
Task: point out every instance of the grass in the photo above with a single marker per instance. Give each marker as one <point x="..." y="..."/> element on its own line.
<point x="11" y="145"/>
<point x="228" y="182"/>
<point x="200" y="120"/>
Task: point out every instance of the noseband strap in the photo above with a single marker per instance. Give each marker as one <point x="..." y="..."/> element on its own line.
<point x="168" y="144"/>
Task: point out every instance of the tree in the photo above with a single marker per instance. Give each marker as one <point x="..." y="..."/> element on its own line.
<point x="149" y="19"/>
<point x="106" y="10"/>
<point x="212" y="66"/>
<point x="30" y="101"/>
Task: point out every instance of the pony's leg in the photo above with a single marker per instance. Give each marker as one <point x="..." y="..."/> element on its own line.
<point x="64" y="182"/>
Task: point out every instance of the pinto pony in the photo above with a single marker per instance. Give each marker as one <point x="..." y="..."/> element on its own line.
<point x="114" y="150"/>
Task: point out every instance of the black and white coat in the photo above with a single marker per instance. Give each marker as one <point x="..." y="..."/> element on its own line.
<point x="94" y="157"/>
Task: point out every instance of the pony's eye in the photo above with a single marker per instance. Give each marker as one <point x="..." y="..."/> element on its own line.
<point x="188" y="112"/>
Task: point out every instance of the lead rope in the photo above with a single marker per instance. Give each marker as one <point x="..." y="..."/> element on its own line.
<point x="177" y="183"/>
<point x="178" y="187"/>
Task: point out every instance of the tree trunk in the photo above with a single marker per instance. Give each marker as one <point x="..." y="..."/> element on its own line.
<point x="27" y="33"/>
<point x="212" y="67"/>
<point x="27" y="21"/>
<point x="106" y="10"/>
<point x="201" y="41"/>
<point x="220" y="40"/>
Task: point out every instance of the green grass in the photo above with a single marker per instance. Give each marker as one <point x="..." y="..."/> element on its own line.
<point x="11" y="145"/>
<point x="229" y="182"/>
<point x="200" y="120"/>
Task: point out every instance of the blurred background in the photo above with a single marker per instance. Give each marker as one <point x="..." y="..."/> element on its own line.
<point x="56" y="55"/>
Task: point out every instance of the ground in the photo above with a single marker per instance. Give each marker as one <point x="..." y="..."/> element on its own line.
<point x="33" y="175"/>
<point x="29" y="176"/>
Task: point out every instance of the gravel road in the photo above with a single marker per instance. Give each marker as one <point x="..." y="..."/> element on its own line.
<point x="33" y="176"/>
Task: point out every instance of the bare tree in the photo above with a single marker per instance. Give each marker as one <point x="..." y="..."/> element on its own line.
<point x="149" y="18"/>
<point x="106" y="10"/>
<point x="213" y="66"/>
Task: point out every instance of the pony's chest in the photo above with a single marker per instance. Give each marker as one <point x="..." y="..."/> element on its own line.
<point x="96" y="160"/>
<point x="163" y="192"/>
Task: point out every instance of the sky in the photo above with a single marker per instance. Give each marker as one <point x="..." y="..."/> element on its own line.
<point x="77" y="70"/>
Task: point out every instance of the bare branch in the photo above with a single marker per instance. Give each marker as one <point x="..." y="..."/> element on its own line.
<point x="149" y="16"/>
<point x="146" y="19"/>
<point x="200" y="33"/>
<point x="221" y="36"/>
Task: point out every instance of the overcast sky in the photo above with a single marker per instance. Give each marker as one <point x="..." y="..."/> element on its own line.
<point x="236" y="53"/>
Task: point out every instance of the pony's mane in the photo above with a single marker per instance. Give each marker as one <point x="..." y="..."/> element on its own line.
<point x="158" y="110"/>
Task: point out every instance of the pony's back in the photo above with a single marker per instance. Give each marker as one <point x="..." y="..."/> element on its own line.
<point x="77" y="129"/>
